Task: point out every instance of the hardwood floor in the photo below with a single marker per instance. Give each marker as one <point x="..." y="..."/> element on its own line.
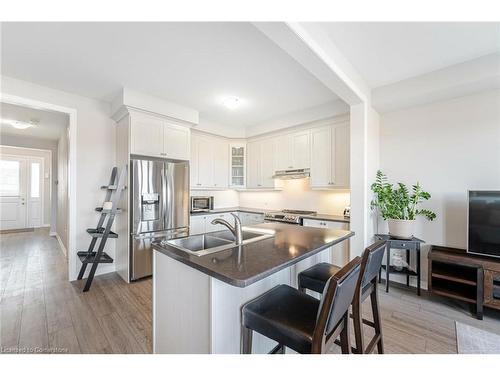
<point x="42" y="312"/>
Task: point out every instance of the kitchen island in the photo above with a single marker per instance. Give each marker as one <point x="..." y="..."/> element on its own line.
<point x="197" y="299"/>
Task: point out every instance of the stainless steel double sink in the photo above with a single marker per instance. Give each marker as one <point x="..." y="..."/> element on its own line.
<point x="208" y="243"/>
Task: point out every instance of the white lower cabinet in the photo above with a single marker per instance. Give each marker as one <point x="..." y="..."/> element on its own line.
<point x="197" y="224"/>
<point x="339" y="254"/>
<point x="248" y="218"/>
<point x="203" y="223"/>
<point x="209" y="227"/>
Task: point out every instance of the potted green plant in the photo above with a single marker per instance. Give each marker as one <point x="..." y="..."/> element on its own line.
<point x="398" y="206"/>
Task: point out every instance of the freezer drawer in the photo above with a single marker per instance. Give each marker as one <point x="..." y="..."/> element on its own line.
<point x="141" y="257"/>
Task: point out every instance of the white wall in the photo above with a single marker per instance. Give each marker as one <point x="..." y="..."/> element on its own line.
<point x="95" y="154"/>
<point x="41" y="150"/>
<point x="449" y="147"/>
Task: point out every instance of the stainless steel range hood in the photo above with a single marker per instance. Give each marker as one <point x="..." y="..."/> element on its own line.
<point x="292" y="174"/>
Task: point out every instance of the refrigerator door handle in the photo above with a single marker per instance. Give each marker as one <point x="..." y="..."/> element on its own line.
<point x="164" y="195"/>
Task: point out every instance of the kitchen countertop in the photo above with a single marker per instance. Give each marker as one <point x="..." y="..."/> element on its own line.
<point x="244" y="265"/>
<point x="326" y="217"/>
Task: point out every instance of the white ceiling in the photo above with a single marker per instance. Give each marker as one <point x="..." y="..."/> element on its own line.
<point x="51" y="125"/>
<point x="384" y="52"/>
<point x="192" y="64"/>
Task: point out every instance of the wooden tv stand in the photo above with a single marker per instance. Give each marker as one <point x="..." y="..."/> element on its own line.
<point x="471" y="278"/>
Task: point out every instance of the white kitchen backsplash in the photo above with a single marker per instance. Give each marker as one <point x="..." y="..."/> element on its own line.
<point x="297" y="194"/>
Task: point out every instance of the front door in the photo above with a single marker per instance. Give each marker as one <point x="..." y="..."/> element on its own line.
<point x="13" y="184"/>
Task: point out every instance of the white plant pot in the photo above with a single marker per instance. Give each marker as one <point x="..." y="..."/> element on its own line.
<point x="403" y="229"/>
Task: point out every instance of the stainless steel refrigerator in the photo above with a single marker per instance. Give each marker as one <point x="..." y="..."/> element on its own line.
<point x="160" y="208"/>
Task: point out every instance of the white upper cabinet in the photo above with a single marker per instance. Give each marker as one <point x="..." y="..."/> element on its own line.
<point x="237" y="167"/>
<point x="260" y="164"/>
<point x="155" y="136"/>
<point x="146" y="135"/>
<point x="176" y="140"/>
<point x="221" y="163"/>
<point x="203" y="162"/>
<point x="209" y="162"/>
<point x="300" y="143"/>
<point x="253" y="165"/>
<point x="292" y="151"/>
<point x="341" y="141"/>
<point x="282" y="156"/>
<point x="321" y="156"/>
<point x="267" y="163"/>
<point x="330" y="156"/>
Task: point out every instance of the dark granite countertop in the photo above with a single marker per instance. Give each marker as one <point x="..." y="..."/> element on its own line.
<point x="326" y="217"/>
<point x="244" y="265"/>
<point x="233" y="209"/>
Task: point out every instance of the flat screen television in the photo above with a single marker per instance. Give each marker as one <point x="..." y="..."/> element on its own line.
<point x="483" y="223"/>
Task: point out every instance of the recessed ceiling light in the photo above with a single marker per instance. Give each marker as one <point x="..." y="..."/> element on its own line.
<point x="20" y="124"/>
<point x="231" y="102"/>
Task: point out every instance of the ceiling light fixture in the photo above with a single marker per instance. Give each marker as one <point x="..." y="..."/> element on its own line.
<point x="232" y="102"/>
<point x="20" y="124"/>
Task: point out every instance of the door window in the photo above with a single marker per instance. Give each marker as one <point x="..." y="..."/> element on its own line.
<point x="9" y="178"/>
<point x="35" y="180"/>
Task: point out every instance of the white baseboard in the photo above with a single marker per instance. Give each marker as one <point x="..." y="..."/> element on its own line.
<point x="53" y="234"/>
<point x="63" y="248"/>
<point x="45" y="226"/>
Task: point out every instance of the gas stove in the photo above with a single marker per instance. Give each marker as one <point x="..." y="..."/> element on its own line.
<point x="288" y="216"/>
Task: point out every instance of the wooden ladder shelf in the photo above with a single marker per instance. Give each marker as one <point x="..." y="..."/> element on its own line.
<point x="103" y="231"/>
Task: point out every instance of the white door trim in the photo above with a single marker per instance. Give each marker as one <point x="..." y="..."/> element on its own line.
<point x="72" y="188"/>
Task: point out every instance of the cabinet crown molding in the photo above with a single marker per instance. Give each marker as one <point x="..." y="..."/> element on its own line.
<point x="132" y="100"/>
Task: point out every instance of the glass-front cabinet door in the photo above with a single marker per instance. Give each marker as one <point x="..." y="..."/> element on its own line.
<point x="237" y="165"/>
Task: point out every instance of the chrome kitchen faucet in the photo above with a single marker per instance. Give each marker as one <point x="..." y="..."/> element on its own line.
<point x="235" y="230"/>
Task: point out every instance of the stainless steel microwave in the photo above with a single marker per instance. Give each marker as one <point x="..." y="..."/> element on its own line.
<point x="202" y="204"/>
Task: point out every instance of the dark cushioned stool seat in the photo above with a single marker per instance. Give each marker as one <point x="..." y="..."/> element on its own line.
<point x="283" y="314"/>
<point x="315" y="277"/>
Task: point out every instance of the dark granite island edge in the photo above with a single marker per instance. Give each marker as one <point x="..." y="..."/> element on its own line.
<point x="247" y="264"/>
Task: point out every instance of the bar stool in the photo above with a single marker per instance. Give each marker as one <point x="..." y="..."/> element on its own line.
<point x="316" y="277"/>
<point x="299" y="321"/>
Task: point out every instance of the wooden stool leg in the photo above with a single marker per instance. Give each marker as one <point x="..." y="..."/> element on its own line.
<point x="345" y="344"/>
<point x="246" y="340"/>
<point x="376" y="318"/>
<point x="358" y="326"/>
